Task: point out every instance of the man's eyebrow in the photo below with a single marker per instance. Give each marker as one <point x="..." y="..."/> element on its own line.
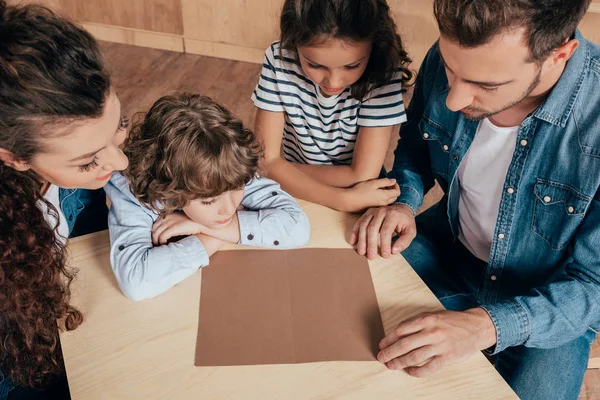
<point x="485" y="83"/>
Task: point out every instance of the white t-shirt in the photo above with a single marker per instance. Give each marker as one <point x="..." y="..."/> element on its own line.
<point x="52" y="195"/>
<point x="482" y="174"/>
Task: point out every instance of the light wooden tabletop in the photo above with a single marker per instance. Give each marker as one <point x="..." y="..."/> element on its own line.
<point x="145" y="350"/>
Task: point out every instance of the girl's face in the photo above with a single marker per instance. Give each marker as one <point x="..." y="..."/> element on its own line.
<point x="334" y="64"/>
<point x="215" y="212"/>
<point x="85" y="153"/>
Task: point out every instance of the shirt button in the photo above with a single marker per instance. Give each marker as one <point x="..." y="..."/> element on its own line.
<point x="547" y="199"/>
<point x="250" y="236"/>
<point x="510" y="190"/>
<point x="121" y="247"/>
<point x="493" y="277"/>
<point x="273" y="193"/>
<point x="71" y="217"/>
<point x="571" y="210"/>
<point x="501" y="236"/>
<point x="446" y="148"/>
<point x="426" y="135"/>
<point x="523" y="142"/>
<point x="455" y="158"/>
<point x="276" y="243"/>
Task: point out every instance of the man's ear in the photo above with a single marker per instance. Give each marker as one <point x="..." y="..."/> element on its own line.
<point x="13" y="161"/>
<point x="563" y="53"/>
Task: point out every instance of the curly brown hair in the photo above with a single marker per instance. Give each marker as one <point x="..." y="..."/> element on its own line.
<point x="51" y="73"/>
<point x="188" y="147"/>
<point x="303" y="21"/>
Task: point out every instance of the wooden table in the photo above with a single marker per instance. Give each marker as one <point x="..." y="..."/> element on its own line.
<point x="145" y="350"/>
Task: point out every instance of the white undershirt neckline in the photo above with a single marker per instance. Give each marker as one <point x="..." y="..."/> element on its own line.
<point x="482" y="176"/>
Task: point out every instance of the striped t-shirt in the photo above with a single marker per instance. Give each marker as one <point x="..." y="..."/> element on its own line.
<point x="319" y="129"/>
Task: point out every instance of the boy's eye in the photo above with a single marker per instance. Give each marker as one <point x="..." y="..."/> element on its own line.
<point x="208" y="202"/>
<point x="314" y="66"/>
<point x="355" y="66"/>
<point x="89" y="166"/>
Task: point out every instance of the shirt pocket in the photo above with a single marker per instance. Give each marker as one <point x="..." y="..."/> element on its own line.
<point x="557" y="212"/>
<point x="439" y="141"/>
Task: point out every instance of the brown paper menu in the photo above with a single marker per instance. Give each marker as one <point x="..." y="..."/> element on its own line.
<point x="282" y="307"/>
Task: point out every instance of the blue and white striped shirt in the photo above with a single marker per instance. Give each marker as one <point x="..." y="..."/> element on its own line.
<point x="319" y="129"/>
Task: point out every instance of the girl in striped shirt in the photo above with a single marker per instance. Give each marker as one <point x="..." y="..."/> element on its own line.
<point x="328" y="98"/>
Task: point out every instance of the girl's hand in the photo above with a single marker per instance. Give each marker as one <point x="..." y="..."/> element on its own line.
<point x="373" y="193"/>
<point x="174" y="224"/>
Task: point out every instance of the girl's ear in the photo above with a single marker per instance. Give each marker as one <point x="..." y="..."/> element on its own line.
<point x="13" y="161"/>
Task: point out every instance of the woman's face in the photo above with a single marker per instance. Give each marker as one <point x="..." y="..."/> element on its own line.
<point x="84" y="153"/>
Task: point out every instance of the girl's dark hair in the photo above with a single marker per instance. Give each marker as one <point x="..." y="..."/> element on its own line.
<point x="188" y="147"/>
<point x="303" y="21"/>
<point x="547" y="23"/>
<point x="51" y="73"/>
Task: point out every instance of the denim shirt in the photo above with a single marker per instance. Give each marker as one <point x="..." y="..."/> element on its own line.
<point x="271" y="218"/>
<point x="542" y="283"/>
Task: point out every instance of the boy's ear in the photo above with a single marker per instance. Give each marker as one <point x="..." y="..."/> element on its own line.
<point x="13" y="161"/>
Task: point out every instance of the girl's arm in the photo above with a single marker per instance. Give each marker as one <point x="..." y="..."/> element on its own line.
<point x="143" y="270"/>
<point x="369" y="154"/>
<point x="269" y="129"/>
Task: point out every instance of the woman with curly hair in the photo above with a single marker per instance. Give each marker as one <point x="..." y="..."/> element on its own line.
<point x="193" y="176"/>
<point x="60" y="131"/>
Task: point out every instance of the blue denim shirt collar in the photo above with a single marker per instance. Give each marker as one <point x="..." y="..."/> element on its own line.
<point x="559" y="105"/>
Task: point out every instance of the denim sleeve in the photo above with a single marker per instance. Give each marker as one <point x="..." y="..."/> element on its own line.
<point x="411" y="168"/>
<point x="272" y="218"/>
<point x="566" y="307"/>
<point x="143" y="270"/>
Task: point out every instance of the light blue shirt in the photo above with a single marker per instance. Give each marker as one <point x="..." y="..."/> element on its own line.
<point x="272" y="218"/>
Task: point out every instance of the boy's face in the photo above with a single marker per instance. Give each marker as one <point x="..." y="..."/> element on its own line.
<point x="215" y="212"/>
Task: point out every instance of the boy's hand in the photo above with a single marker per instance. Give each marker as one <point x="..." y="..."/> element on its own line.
<point x="174" y="224"/>
<point x="373" y="193"/>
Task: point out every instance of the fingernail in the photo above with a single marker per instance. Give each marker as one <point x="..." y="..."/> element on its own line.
<point x="371" y="254"/>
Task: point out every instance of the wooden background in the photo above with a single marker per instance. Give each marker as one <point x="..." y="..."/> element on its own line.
<point x="235" y="29"/>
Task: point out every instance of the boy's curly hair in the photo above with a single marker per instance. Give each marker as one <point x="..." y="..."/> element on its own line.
<point x="188" y="147"/>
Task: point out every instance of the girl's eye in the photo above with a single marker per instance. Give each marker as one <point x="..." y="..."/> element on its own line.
<point x="87" y="167"/>
<point x="352" y="66"/>
<point x="124" y="123"/>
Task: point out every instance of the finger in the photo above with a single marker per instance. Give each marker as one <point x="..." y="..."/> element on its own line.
<point x="407" y="234"/>
<point x="404" y="346"/>
<point x="373" y="233"/>
<point x="415" y="358"/>
<point x="156" y="234"/>
<point x="362" y="233"/>
<point x="158" y="223"/>
<point x="408" y="327"/>
<point x="354" y="234"/>
<point x="385" y="236"/>
<point x="429" y="368"/>
<point x="383" y="183"/>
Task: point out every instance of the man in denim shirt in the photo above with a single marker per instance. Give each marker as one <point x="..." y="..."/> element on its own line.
<point x="506" y="117"/>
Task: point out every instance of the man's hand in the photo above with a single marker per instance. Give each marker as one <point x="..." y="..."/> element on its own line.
<point x="377" y="226"/>
<point x="424" y="344"/>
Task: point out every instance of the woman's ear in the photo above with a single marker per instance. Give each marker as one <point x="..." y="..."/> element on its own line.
<point x="13" y="161"/>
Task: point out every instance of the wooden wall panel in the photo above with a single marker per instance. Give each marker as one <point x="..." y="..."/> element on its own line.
<point x="245" y="23"/>
<point x="150" y="15"/>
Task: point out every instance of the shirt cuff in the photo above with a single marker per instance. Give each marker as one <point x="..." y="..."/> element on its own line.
<point x="410" y="197"/>
<point x="250" y="233"/>
<point x="512" y="325"/>
<point x="194" y="251"/>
